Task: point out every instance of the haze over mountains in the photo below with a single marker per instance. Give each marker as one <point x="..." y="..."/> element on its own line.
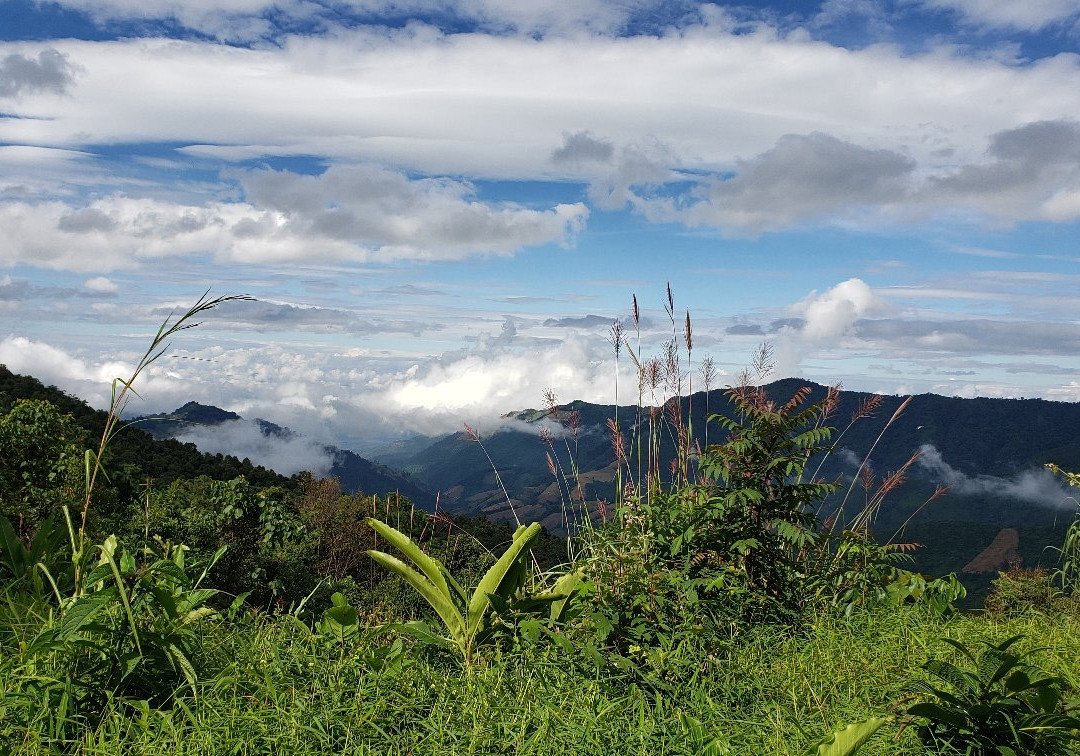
<point x="989" y="452"/>
<point x="215" y="430"/>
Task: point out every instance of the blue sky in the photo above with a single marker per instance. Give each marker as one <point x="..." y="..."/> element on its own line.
<point x="441" y="207"/>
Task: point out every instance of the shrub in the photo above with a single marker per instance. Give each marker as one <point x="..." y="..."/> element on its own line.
<point x="1018" y="590"/>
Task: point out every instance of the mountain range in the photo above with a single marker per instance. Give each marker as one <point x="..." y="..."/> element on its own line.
<point x="1001" y="506"/>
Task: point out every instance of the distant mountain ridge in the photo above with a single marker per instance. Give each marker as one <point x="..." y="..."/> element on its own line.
<point x="991" y="451"/>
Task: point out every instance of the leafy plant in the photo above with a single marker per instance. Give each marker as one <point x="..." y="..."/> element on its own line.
<point x="848" y="740"/>
<point x="132" y="634"/>
<point x="1000" y="705"/>
<point x="468" y="619"/>
<point x="19" y="560"/>
<point x="41" y="470"/>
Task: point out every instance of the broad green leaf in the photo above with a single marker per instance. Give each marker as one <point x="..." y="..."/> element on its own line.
<point x="563" y="591"/>
<point x="439" y="599"/>
<point x="848" y="740"/>
<point x="431" y="568"/>
<point x="345" y="616"/>
<point x="82" y="610"/>
<point x="422" y="632"/>
<point x="495" y="579"/>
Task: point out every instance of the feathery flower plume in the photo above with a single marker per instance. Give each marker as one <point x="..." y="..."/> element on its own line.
<point x="573" y="421"/>
<point x="832" y="398"/>
<point x="867" y="478"/>
<point x="618" y="444"/>
<point x="471" y="433"/>
<point x="615" y="337"/>
<point x="708" y="372"/>
<point x="866" y="407"/>
<point x="551" y="403"/>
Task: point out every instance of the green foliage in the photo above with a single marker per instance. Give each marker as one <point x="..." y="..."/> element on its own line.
<point x="467" y="619"/>
<point x="133" y="633"/>
<point x="848" y="740"/>
<point x="28" y="565"/>
<point x="1019" y="590"/>
<point x="1068" y="571"/>
<point x="1000" y="704"/>
<point x="857" y="572"/>
<point x="42" y="468"/>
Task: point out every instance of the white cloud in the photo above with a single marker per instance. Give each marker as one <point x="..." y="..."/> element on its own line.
<point x="490" y="106"/>
<point x="49" y="72"/>
<point x="101" y="285"/>
<point x="1037" y="486"/>
<point x="825" y="321"/>
<point x="1029" y="173"/>
<point x="809" y="177"/>
<point x="1026" y="15"/>
<point x="744" y="132"/>
<point x="244" y="438"/>
<point x="833" y="314"/>
<point x="90" y="380"/>
<point x="349" y="214"/>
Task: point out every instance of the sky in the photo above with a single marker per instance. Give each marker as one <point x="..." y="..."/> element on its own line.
<point x="439" y="209"/>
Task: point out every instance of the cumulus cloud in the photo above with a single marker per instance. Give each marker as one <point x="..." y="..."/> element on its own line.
<point x="90" y="379"/>
<point x="1036" y="486"/>
<point x="432" y="217"/>
<point x="1030" y="174"/>
<point x="582" y="147"/>
<point x="803" y="177"/>
<point x="833" y="313"/>
<point x="825" y="320"/>
<point x="1026" y="173"/>
<point x="353" y="214"/>
<point x="101" y="285"/>
<point x="50" y="71"/>
<point x="245" y="438"/>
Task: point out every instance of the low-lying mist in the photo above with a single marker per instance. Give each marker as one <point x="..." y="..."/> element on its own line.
<point x="245" y="438"/>
<point x="1035" y="486"/>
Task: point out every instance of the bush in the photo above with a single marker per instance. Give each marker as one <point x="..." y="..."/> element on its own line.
<point x="1019" y="590"/>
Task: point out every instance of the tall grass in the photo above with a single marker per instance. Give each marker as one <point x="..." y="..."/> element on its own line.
<point x="279" y="689"/>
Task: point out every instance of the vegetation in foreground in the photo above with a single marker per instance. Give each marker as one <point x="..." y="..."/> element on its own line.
<point x="717" y="608"/>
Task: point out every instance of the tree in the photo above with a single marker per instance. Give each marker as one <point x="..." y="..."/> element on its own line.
<point x="41" y="468"/>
